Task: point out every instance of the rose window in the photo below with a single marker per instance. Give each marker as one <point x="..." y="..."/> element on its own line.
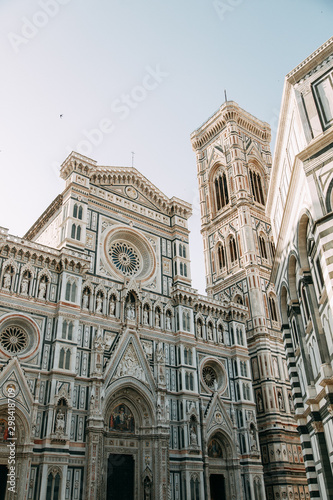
<point x="124" y="258"/>
<point x="13" y="339"/>
<point x="209" y="376"/>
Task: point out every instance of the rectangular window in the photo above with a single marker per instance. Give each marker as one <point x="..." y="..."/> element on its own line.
<point x="323" y="92"/>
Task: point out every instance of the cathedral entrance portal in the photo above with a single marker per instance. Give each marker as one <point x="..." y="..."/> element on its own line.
<point x="217" y="487"/>
<point x="120" y="484"/>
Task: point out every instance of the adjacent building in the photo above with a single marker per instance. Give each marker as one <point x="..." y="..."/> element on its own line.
<point x="299" y="205"/>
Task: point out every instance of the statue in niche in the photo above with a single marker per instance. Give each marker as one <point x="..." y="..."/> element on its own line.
<point x="253" y="439"/>
<point x="199" y="329"/>
<point x="42" y="289"/>
<point x="193" y="435"/>
<point x="24" y="285"/>
<point x="99" y="303"/>
<point x="112" y="307"/>
<point x="210" y="332"/>
<point x="220" y="336"/>
<point x="7" y="280"/>
<point x="130" y="311"/>
<point x="145" y="316"/>
<point x="157" y="318"/>
<point x="280" y="401"/>
<point x="147" y="489"/>
<point x="60" y="422"/>
<point x="85" y="300"/>
<point x="168" y="322"/>
<point x="291" y="403"/>
<point x="259" y="402"/>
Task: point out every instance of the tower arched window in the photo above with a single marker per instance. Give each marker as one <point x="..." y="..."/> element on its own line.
<point x="53" y="487"/>
<point x="232" y="249"/>
<point x="272" y="307"/>
<point x="68" y="359"/>
<point x="256" y="187"/>
<point x="262" y="245"/>
<point x="221" y="191"/>
<point x="221" y="256"/>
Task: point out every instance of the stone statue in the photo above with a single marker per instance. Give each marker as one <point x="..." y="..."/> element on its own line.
<point x="24" y="286"/>
<point x="199" y="329"/>
<point x="60" y="422"/>
<point x="193" y="436"/>
<point x="280" y="401"/>
<point x="7" y="280"/>
<point x="259" y="402"/>
<point x="130" y="311"/>
<point x="112" y="307"/>
<point x="210" y="332"/>
<point x="99" y="303"/>
<point x="42" y="290"/>
<point x="253" y="440"/>
<point x="145" y="317"/>
<point x="85" y="300"/>
<point x="168" y="322"/>
<point x="157" y="318"/>
<point x="147" y="489"/>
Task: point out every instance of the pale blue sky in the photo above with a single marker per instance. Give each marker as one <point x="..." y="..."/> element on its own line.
<point x="80" y="58"/>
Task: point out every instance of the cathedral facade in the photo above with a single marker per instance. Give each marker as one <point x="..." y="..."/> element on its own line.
<point x="119" y="381"/>
<point x="127" y="382"/>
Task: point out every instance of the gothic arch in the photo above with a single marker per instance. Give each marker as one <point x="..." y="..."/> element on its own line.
<point x="219" y="188"/>
<point x="257" y="181"/>
<point x="292" y="271"/>
<point x="302" y="239"/>
<point x="284" y="303"/>
<point x="229" y="450"/>
<point x="136" y="396"/>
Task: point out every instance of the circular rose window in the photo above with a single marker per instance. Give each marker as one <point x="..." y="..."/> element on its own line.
<point x="19" y="336"/>
<point x="129" y="253"/>
<point x="209" y="376"/>
<point x="213" y="375"/>
<point x="125" y="258"/>
<point x="13" y="339"/>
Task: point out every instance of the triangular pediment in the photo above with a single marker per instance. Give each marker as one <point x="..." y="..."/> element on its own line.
<point x="14" y="379"/>
<point x="130" y="360"/>
<point x="217" y="416"/>
<point x="133" y="194"/>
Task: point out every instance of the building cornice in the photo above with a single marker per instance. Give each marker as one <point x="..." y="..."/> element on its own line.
<point x="310" y="62"/>
<point x="44" y="218"/>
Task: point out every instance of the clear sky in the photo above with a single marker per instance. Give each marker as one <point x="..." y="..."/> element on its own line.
<point x="146" y="74"/>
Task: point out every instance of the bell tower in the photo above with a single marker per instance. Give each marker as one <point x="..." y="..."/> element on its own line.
<point x="233" y="167"/>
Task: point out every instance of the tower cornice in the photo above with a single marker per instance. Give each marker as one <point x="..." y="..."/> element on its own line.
<point x="230" y="111"/>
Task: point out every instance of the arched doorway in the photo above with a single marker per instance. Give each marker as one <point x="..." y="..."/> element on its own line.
<point x="222" y="469"/>
<point x="134" y="447"/>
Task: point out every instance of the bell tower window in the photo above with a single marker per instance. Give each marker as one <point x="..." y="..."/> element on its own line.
<point x="221" y="191"/>
<point x="256" y="187"/>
